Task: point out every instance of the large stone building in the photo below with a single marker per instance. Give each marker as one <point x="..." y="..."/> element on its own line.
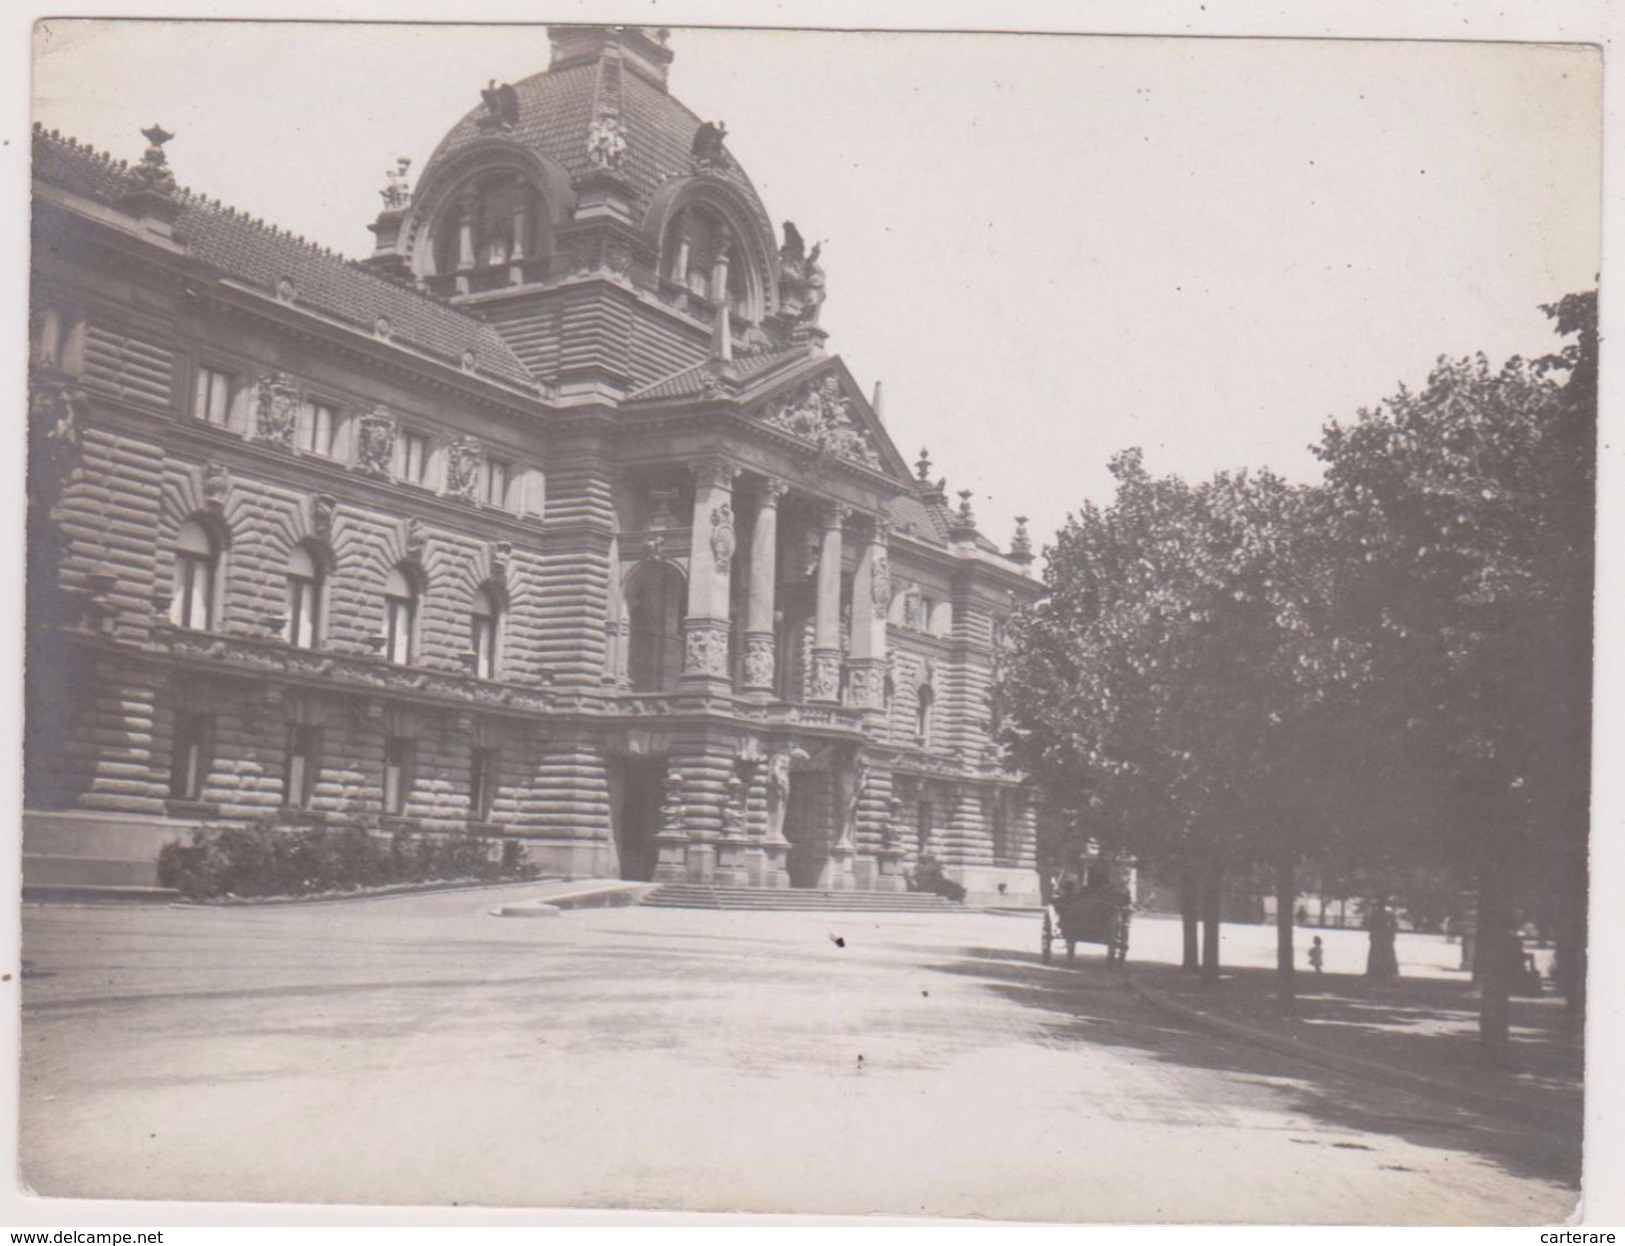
<point x="551" y="519"/>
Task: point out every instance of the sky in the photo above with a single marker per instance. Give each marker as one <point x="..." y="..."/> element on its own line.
<point x="1048" y="248"/>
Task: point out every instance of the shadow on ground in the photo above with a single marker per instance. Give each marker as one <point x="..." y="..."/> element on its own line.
<point x="1090" y="1003"/>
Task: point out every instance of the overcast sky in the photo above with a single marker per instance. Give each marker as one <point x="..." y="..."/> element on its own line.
<point x="1047" y="247"/>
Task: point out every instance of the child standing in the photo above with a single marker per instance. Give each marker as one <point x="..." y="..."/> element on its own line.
<point x="1317" y="954"/>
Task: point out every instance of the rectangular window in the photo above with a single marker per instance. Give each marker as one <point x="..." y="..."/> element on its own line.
<point x="496" y="474"/>
<point x="304" y="600"/>
<point x="398" y="630"/>
<point x="320" y="421"/>
<point x="397" y="773"/>
<point x="192" y="604"/>
<point x="482" y="784"/>
<point x="412" y="456"/>
<point x="299" y="776"/>
<point x="211" y="399"/>
<point x="189" y="757"/>
<point x="483" y="640"/>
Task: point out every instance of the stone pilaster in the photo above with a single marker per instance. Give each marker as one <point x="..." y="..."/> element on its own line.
<point x="710" y="568"/>
<point x="825" y="683"/>
<point x="871" y="597"/>
<point x="759" y="655"/>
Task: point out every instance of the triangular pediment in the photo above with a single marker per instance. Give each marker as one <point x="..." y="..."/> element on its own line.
<point x="820" y="404"/>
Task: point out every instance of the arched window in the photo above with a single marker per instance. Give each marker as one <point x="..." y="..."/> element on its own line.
<point x="494" y="220"/>
<point x="924" y="707"/>
<point x="304" y="597"/>
<point x="484" y="631"/>
<point x="655" y="608"/>
<point x="696" y="239"/>
<point x="197" y="567"/>
<point x="400" y="615"/>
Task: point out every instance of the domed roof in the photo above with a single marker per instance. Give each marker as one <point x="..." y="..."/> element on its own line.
<point x="598" y="71"/>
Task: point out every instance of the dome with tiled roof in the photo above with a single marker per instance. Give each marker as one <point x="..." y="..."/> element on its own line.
<point x="595" y="138"/>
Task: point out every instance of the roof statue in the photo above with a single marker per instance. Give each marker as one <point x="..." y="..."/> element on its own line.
<point x="501" y="105"/>
<point x="153" y="171"/>
<point x="397" y="192"/>
<point x="606" y="142"/>
<point x="794" y="251"/>
<point x="707" y="150"/>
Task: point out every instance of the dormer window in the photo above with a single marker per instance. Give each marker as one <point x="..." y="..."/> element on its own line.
<point x="494" y="222"/>
<point x="702" y="254"/>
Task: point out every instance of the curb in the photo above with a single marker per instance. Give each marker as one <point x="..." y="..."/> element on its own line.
<point x="402" y="892"/>
<point x="587" y="896"/>
<point x="1462" y="1096"/>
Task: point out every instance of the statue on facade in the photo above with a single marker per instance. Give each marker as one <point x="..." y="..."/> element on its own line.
<point x="793" y="254"/>
<point x="778" y="793"/>
<point x="397" y="194"/>
<point x="813" y="297"/>
<point x="375" y="442"/>
<point x="857" y="784"/>
<point x="277" y="410"/>
<point x="462" y="469"/>
<point x="606" y="142"/>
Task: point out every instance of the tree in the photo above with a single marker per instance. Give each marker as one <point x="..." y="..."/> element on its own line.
<point x="1463" y="515"/>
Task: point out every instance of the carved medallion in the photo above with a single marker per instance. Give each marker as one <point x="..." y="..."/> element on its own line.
<point x="606" y="143"/>
<point x="706" y="652"/>
<point x="375" y="442"/>
<point x="880" y="579"/>
<point x="276" y="412"/>
<point x="462" y="469"/>
<point x="759" y="661"/>
<point x="722" y="537"/>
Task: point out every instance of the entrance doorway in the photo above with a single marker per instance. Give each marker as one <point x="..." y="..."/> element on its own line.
<point x="809" y="823"/>
<point x="642" y="783"/>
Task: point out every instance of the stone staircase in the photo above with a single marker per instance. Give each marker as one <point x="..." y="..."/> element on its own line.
<point x="697" y="896"/>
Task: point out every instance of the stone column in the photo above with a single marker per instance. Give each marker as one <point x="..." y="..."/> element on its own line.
<point x="710" y="565"/>
<point x="467" y="206"/>
<point x="826" y="655"/>
<point x="871" y="596"/>
<point x="764" y="546"/>
<point x="723" y="348"/>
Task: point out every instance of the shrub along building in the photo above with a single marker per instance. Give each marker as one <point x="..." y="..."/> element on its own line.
<point x="551" y="519"/>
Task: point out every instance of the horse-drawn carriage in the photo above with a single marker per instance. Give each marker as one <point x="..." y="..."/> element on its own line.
<point x="1092" y="914"/>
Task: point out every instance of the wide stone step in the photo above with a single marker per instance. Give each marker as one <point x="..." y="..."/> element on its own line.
<point x="696" y="896"/>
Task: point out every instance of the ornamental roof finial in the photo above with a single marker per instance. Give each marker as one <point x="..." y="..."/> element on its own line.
<point x="922" y="467"/>
<point x="153" y="172"/>
<point x="1021" y="545"/>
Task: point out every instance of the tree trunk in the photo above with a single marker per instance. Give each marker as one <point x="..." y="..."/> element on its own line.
<point x="1493" y="956"/>
<point x="1212" y="888"/>
<point x="1286" y="970"/>
<point x="1190" y="913"/>
<point x="1570" y="932"/>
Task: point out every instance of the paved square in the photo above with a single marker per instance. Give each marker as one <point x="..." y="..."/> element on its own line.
<point x="419" y="1050"/>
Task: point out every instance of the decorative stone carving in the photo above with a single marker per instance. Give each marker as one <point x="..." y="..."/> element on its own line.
<point x="56" y="412"/>
<point x="722" y="537"/>
<point x="866" y="686"/>
<point x="857" y="784"/>
<point x="759" y="660"/>
<point x="654" y="546"/>
<point x="462" y="469"/>
<point x="606" y="143"/>
<point x="672" y="817"/>
<point x="415" y="539"/>
<point x="880" y="578"/>
<point x="706" y="651"/>
<point x="276" y="410"/>
<point x="778" y="795"/>
<point x="820" y="414"/>
<point x="323" y="507"/>
<point x="824" y="677"/>
<point x="216" y="485"/>
<point x="733" y="808"/>
<point x="501" y="559"/>
<point x="396" y="193"/>
<point x="375" y="442"/>
<point x="914" y="608"/>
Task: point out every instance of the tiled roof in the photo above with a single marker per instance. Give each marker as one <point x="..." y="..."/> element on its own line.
<point x="261" y="255"/>
<point x="556" y="109"/>
<point x="688" y="382"/>
<point x="919" y="518"/>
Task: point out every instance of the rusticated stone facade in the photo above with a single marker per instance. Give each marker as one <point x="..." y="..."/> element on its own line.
<point x="551" y="520"/>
